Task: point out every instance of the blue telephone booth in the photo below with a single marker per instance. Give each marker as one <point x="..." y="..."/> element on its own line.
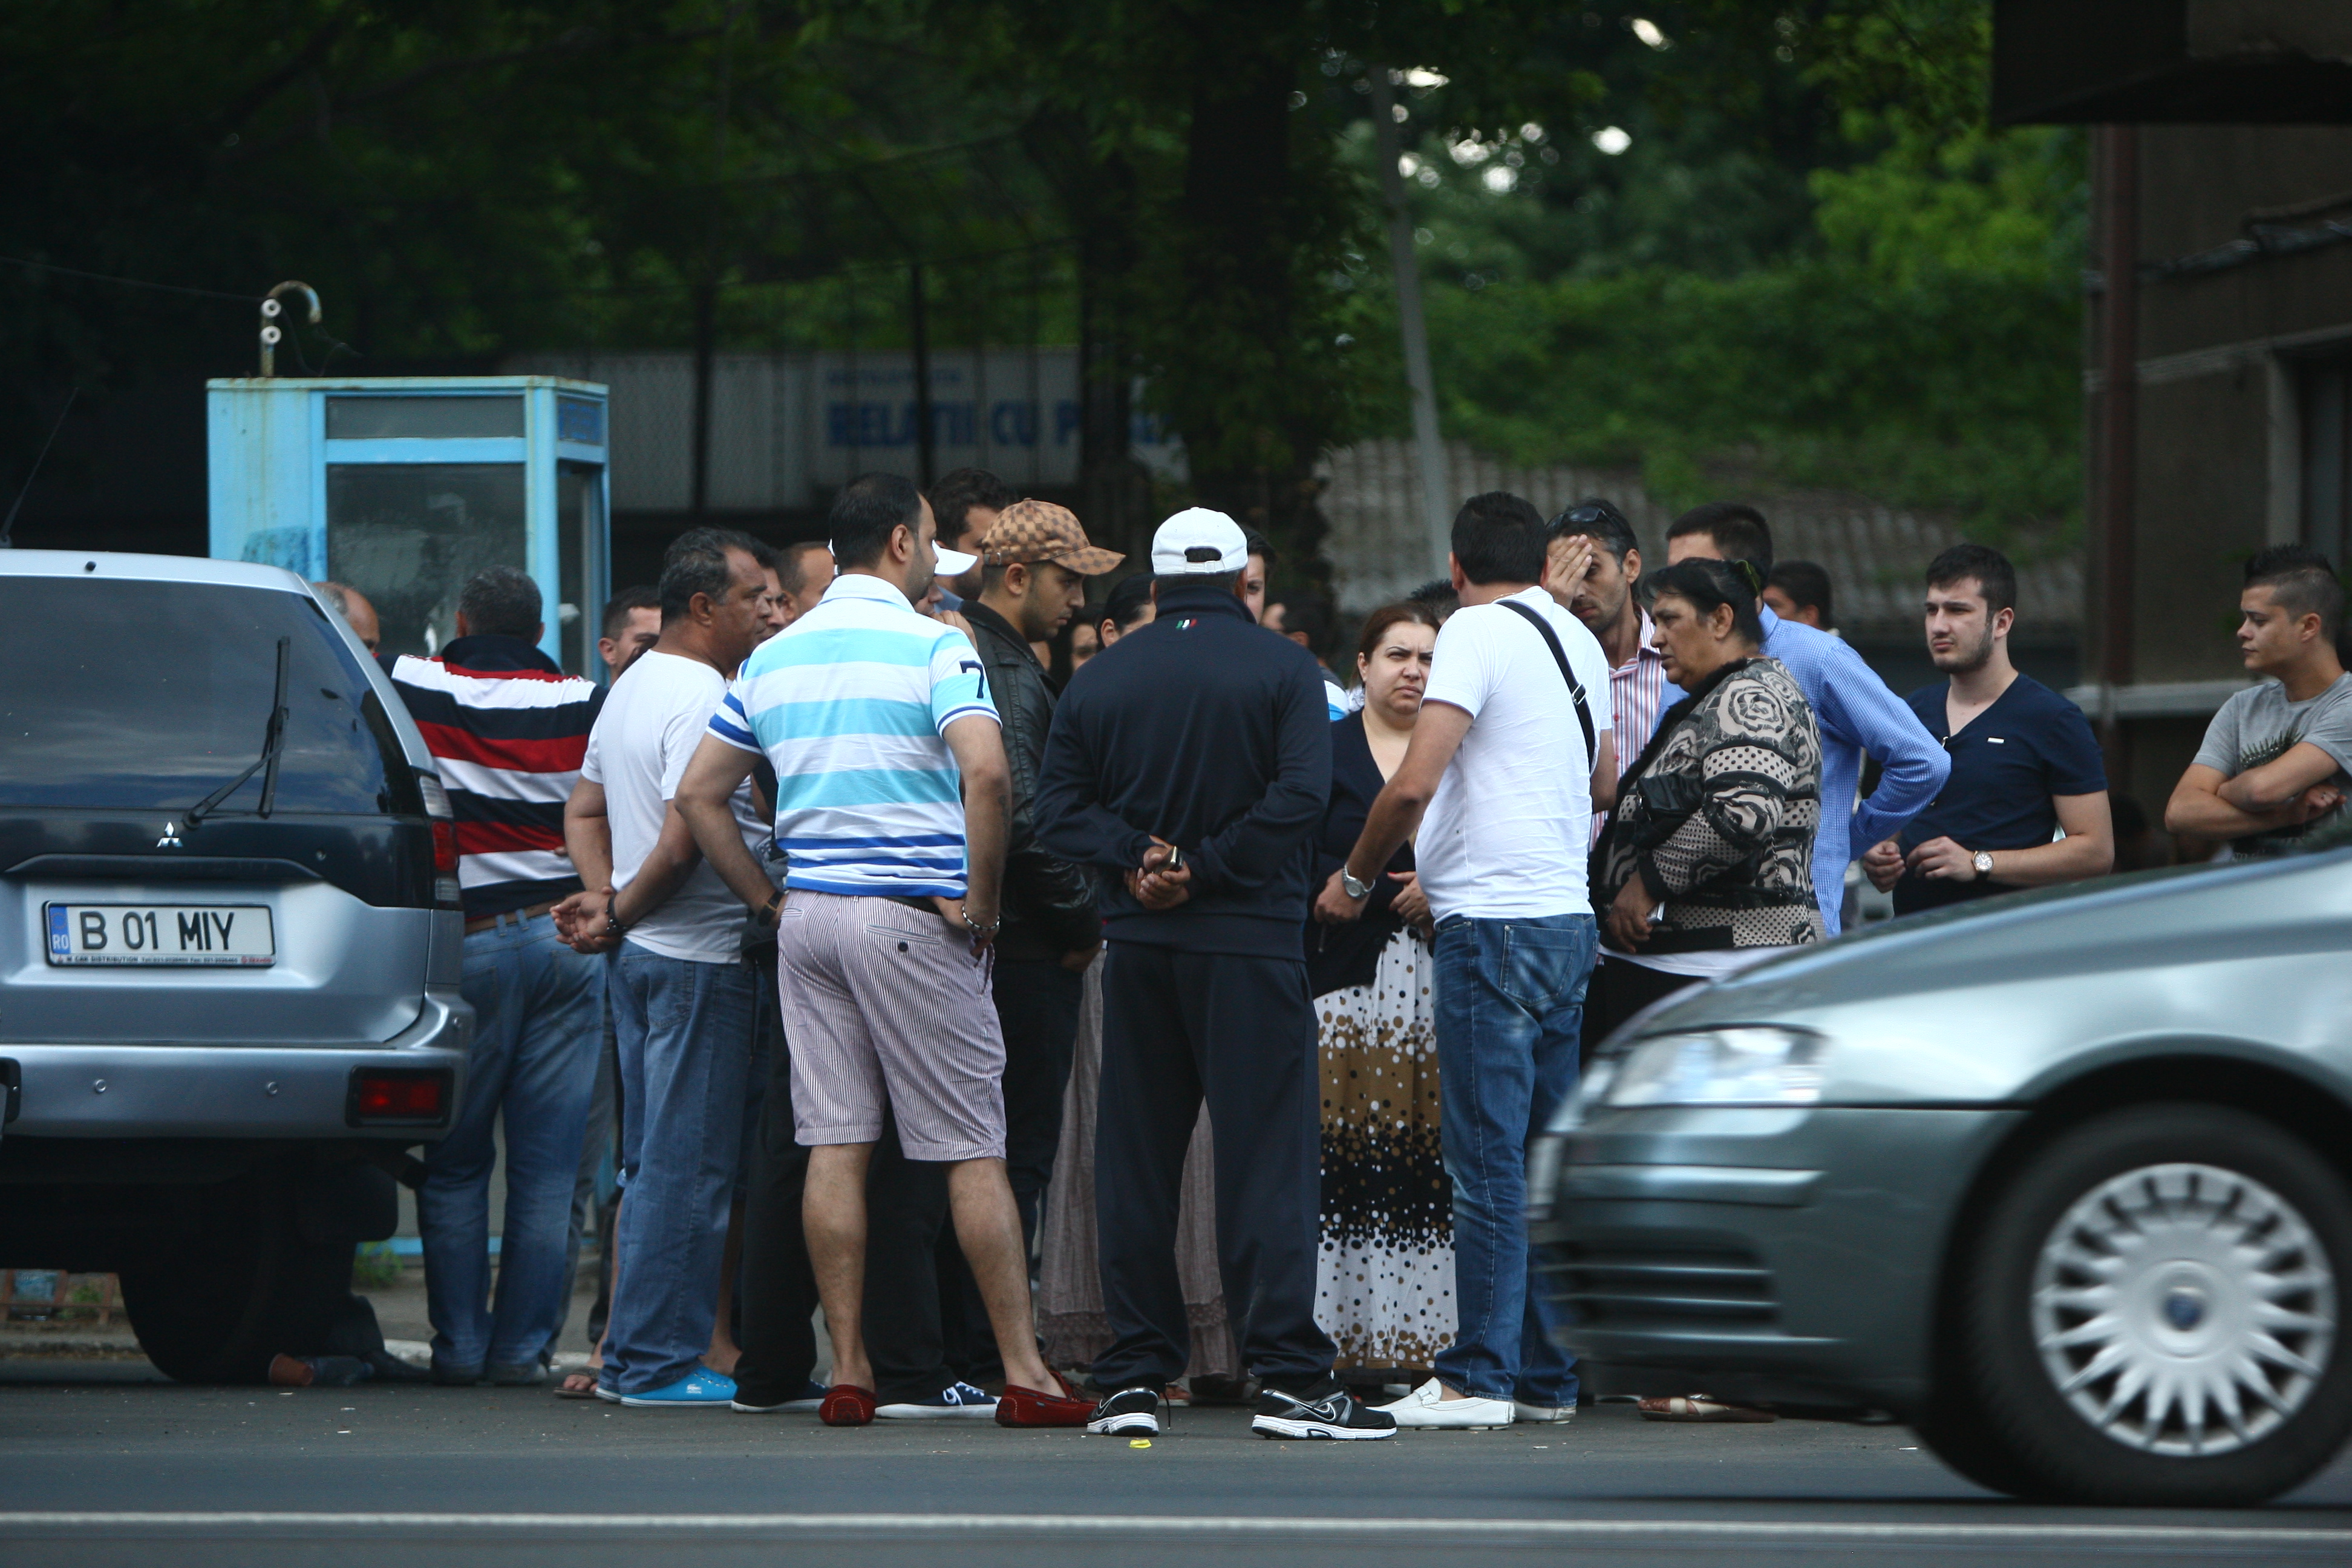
<point x="404" y="487"/>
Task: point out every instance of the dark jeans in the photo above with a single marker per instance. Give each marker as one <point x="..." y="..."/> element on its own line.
<point x="1240" y="1031"/>
<point x="926" y="1325"/>
<point x="1510" y="1005"/>
<point x="1037" y="1006"/>
<point x="1619" y="991"/>
<point x="778" y="1298"/>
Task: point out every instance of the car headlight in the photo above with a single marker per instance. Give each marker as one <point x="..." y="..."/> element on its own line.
<point x="1749" y="1065"/>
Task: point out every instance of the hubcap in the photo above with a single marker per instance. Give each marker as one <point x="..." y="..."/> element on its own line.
<point x="2184" y="1310"/>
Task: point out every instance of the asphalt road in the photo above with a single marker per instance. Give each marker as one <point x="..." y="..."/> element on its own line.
<point x="104" y="1464"/>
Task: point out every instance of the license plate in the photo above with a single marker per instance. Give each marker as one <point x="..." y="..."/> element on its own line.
<point x="223" y="935"/>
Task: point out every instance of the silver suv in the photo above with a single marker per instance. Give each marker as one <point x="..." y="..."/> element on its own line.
<point x="230" y="943"/>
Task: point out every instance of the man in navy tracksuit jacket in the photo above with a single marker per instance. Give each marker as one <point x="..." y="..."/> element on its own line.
<point x="1204" y="732"/>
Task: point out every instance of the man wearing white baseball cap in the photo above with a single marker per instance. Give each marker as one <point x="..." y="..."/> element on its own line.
<point x="1189" y="763"/>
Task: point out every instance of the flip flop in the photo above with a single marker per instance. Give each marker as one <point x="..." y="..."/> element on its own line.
<point x="585" y="1389"/>
<point x="1698" y="1408"/>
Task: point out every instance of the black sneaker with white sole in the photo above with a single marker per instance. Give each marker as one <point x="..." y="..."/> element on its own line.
<point x="1127" y="1413"/>
<point x="1328" y="1412"/>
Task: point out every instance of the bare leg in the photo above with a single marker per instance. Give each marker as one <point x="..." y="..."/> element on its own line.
<point x="582" y="1382"/>
<point x="832" y="1216"/>
<point x="988" y="1227"/>
<point x="724" y="1353"/>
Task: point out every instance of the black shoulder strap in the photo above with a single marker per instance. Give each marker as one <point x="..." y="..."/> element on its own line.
<point x="1560" y="657"/>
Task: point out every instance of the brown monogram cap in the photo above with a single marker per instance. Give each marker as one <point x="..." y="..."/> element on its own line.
<point x="1034" y="531"/>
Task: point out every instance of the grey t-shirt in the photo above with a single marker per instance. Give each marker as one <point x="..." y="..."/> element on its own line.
<point x="2260" y="726"/>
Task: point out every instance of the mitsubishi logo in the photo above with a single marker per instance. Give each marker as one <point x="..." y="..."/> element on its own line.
<point x="171" y="839"/>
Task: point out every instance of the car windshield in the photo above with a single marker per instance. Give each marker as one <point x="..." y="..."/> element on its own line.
<point x="134" y="696"/>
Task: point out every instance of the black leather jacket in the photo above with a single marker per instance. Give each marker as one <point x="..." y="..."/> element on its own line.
<point x="1049" y="903"/>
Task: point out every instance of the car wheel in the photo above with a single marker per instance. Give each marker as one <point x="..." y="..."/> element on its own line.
<point x="245" y="1287"/>
<point x="2152" y="1313"/>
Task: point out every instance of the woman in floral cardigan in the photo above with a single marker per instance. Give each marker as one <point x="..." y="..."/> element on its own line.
<point x="1705" y="868"/>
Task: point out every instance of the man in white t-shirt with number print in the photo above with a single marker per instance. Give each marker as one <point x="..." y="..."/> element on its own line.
<point x="680" y="993"/>
<point x="1509" y="761"/>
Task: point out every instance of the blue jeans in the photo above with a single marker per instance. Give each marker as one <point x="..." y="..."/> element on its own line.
<point x="540" y="1019"/>
<point x="1511" y="1007"/>
<point x="684" y="1035"/>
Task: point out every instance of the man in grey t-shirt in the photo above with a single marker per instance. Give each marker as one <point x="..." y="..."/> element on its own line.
<point x="2277" y="760"/>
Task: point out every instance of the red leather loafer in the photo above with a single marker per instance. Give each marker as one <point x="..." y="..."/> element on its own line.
<point x="1065" y="1406"/>
<point x="846" y="1404"/>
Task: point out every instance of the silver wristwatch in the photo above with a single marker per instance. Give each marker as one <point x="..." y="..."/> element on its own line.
<point x="1982" y="861"/>
<point x="1355" y="890"/>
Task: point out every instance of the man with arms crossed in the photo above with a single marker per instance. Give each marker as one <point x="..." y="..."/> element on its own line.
<point x="2274" y="763"/>
<point x="1857" y="714"/>
<point x="2024" y="764"/>
<point x="891" y="796"/>
<point x="1509" y="762"/>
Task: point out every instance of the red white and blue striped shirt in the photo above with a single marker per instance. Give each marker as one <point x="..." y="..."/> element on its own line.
<point x="508" y="730"/>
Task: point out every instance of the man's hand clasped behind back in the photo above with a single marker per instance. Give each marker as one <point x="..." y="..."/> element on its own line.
<point x="1154" y="884"/>
<point x="582" y="922"/>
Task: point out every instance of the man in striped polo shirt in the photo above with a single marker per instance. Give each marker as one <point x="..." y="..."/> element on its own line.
<point x="509" y="730"/>
<point x="892" y="796"/>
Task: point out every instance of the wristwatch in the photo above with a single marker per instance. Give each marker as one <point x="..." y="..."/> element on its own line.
<point x="1982" y="861"/>
<point x="1355" y="890"/>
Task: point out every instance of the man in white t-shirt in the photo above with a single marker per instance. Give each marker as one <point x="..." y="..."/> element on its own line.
<point x="681" y="995"/>
<point x="1509" y="761"/>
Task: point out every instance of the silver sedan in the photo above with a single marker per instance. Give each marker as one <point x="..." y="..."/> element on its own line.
<point x="2064" y="1179"/>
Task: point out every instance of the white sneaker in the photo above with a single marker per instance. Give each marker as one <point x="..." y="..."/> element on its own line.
<point x="1427" y="1407"/>
<point x="1543" y="1413"/>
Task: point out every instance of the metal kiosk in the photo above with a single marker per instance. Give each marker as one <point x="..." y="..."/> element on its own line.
<point x="404" y="487"/>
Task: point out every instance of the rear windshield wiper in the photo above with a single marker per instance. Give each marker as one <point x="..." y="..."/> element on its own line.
<point x="273" y="743"/>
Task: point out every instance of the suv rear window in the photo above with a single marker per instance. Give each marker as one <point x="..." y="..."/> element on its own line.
<point x="134" y="696"/>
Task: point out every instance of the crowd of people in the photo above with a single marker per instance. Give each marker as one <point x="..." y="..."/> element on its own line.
<point x="926" y="937"/>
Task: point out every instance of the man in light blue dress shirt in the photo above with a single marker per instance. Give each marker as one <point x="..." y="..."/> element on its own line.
<point x="1857" y="712"/>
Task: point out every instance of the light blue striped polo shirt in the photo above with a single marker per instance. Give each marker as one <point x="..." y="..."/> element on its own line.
<point x="850" y="704"/>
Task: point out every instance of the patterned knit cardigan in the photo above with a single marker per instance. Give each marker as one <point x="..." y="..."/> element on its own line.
<point x="1718" y="814"/>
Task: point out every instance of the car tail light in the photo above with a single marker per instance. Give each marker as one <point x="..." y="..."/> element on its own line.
<point x="445" y="838"/>
<point x="437" y="799"/>
<point x="396" y="1096"/>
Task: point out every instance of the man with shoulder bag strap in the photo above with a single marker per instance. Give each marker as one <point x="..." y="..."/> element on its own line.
<point x="1507" y="765"/>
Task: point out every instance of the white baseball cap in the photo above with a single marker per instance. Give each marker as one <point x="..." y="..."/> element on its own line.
<point x="954" y="563"/>
<point x="1197" y="542"/>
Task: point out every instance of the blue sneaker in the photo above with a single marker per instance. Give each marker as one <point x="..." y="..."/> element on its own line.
<point x="701" y="1389"/>
<point x="957" y="1399"/>
<point x="810" y="1395"/>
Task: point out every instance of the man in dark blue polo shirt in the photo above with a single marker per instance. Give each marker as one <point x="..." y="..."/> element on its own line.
<point x="2024" y="764"/>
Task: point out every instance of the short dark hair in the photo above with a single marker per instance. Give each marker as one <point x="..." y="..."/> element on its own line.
<point x="1499" y="538"/>
<point x="1306" y="616"/>
<point x="1707" y="584"/>
<point x="501" y="601"/>
<point x="2301" y="580"/>
<point x="1994" y="576"/>
<point x="1807" y="583"/>
<point x="1129" y="598"/>
<point x="1599" y="520"/>
<point x="866" y="513"/>
<point x="792" y="568"/>
<point x="1438" y="594"/>
<point x="1737" y="528"/>
<point x="695" y="562"/>
<point x="1254" y="542"/>
<point x="621" y="605"/>
<point x="957" y="492"/>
